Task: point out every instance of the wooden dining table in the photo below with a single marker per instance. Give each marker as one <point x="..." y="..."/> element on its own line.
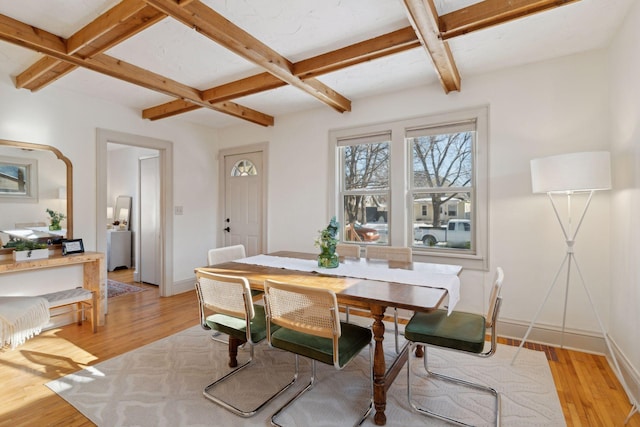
<point x="370" y="295"/>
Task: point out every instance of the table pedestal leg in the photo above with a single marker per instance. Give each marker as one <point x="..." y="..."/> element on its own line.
<point x="419" y="351"/>
<point x="379" y="366"/>
<point x="234" y="343"/>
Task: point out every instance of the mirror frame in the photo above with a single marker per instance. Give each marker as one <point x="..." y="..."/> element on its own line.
<point x="67" y="162"/>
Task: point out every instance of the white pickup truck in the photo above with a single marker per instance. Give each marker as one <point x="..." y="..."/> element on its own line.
<point x="457" y="231"/>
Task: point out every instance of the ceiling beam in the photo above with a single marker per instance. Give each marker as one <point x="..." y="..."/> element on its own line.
<point x="124" y="20"/>
<point x="239" y="88"/>
<point x="491" y="12"/>
<point x="424" y="20"/>
<point x="33" y="38"/>
<point x="377" y="47"/>
<point x="103" y="24"/>
<point x="213" y="25"/>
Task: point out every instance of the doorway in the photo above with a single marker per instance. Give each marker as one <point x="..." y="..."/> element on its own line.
<point x="165" y="221"/>
<point x="243" y="197"/>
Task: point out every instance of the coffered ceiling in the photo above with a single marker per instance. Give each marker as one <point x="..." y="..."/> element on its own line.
<point x="220" y="63"/>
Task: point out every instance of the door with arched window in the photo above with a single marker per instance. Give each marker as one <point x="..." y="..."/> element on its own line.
<point x="243" y="210"/>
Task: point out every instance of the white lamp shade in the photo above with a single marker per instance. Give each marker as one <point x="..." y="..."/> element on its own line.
<point x="124" y="214"/>
<point x="571" y="172"/>
<point x="109" y="212"/>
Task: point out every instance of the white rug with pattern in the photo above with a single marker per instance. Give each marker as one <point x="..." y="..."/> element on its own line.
<point x="161" y="384"/>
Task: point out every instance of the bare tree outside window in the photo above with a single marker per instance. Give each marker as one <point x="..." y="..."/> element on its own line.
<point x="420" y="182"/>
<point x="443" y="162"/>
<point x="366" y="186"/>
<point x="442" y="188"/>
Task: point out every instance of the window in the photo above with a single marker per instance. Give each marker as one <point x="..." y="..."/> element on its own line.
<point x="420" y="182"/>
<point x="364" y="187"/>
<point x="441" y="175"/>
<point x="244" y="168"/>
<point x="18" y="178"/>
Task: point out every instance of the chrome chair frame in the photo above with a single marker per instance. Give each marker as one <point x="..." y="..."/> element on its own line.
<point x="490" y="321"/>
<point x="283" y="322"/>
<point x="229" y="310"/>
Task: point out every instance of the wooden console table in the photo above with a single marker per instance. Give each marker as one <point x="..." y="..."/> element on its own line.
<point x="93" y="267"/>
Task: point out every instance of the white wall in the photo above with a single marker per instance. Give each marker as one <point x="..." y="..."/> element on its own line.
<point x="536" y="110"/>
<point x="68" y="121"/>
<point x="625" y="206"/>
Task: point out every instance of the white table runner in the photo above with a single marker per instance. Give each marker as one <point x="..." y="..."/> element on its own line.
<point x="440" y="276"/>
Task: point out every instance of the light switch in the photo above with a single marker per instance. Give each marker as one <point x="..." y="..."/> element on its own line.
<point x="178" y="210"/>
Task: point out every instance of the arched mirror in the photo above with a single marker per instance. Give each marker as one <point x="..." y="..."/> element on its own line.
<point x="34" y="179"/>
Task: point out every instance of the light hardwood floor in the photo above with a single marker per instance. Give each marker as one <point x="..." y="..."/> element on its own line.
<point x="589" y="392"/>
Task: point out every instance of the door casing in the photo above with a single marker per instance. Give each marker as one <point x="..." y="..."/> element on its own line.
<point x="252" y="148"/>
<point x="165" y="150"/>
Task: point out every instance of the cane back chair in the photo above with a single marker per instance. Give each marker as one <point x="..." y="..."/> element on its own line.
<point x="234" y="314"/>
<point x="310" y="326"/>
<point x="459" y="331"/>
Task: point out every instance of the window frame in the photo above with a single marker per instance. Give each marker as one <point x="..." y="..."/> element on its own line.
<point x="31" y="166"/>
<point x="360" y="139"/>
<point x="413" y="190"/>
<point x="400" y="223"/>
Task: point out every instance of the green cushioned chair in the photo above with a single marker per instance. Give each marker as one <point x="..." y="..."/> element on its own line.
<point x="228" y="254"/>
<point x="458" y="331"/>
<point x="233" y="313"/>
<point x="309" y="326"/>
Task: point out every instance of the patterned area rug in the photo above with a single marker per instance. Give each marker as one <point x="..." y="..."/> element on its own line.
<point x="115" y="288"/>
<point x="161" y="384"/>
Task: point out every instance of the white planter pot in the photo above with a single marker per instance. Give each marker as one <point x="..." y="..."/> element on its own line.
<point x="30" y="255"/>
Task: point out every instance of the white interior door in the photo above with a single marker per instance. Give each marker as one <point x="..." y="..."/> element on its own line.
<point x="149" y="257"/>
<point x="244" y="180"/>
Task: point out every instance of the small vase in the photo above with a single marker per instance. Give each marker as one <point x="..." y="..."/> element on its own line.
<point x="54" y="226"/>
<point x="328" y="259"/>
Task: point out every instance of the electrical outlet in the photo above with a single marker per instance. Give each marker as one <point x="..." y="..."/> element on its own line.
<point x="178" y="210"/>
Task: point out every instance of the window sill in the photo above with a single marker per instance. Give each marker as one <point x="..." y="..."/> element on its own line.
<point x="467" y="261"/>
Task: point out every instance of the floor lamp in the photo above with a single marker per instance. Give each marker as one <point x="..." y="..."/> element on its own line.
<point x="567" y="174"/>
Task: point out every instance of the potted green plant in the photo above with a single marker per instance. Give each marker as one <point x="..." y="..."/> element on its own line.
<point x="56" y="218"/>
<point x="24" y="250"/>
<point x="327" y="242"/>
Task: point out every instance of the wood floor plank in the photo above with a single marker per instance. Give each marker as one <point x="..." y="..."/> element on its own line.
<point x="589" y="393"/>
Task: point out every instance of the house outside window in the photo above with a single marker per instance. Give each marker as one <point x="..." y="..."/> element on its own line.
<point x="409" y="179"/>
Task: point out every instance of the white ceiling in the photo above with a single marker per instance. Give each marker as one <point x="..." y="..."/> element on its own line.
<point x="299" y="30"/>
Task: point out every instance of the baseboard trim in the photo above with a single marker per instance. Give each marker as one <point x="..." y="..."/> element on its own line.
<point x="585" y="341"/>
<point x="573" y="339"/>
<point x="183" y="286"/>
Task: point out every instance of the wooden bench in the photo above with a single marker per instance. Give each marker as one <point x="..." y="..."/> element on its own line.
<point x="80" y="298"/>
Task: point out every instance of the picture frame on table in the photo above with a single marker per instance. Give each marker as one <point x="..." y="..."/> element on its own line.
<point x="73" y="246"/>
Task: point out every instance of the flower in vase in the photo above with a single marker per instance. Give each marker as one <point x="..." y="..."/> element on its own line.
<point x="56" y="218"/>
<point x="327" y="242"/>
